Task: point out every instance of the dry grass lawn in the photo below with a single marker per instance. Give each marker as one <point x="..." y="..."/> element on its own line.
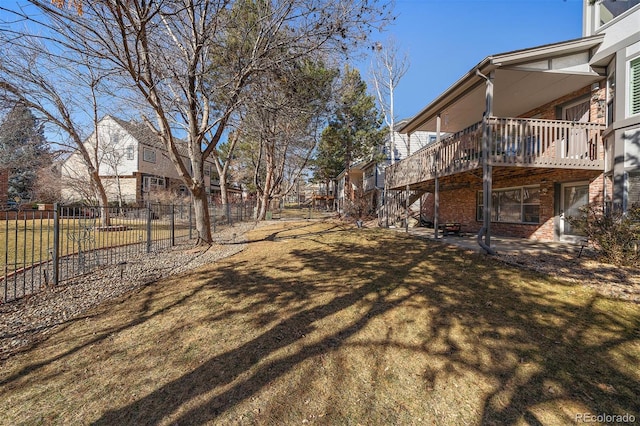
<point x="320" y="323"/>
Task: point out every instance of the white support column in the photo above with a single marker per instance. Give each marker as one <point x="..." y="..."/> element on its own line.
<point x="487" y="182"/>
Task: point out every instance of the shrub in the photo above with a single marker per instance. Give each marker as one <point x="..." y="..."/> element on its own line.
<point x="615" y="236"/>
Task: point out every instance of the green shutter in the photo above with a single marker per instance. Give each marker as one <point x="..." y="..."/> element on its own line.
<point x="634" y="86"/>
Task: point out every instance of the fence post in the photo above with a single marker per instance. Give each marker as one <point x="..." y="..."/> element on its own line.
<point x="149" y="227"/>
<point x="229" y="221"/>
<point x="55" y="253"/>
<point x="172" y="225"/>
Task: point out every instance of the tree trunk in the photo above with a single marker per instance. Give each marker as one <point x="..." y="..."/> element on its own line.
<point x="203" y="221"/>
<point x="266" y="194"/>
<point x="119" y="188"/>
<point x="104" y="201"/>
<point x="224" y="196"/>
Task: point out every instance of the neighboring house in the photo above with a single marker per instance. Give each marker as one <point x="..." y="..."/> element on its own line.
<point x="367" y="177"/>
<point x="322" y="195"/>
<point x="563" y="124"/>
<point x="133" y="166"/>
<point x="310" y="194"/>
<point x="407" y="144"/>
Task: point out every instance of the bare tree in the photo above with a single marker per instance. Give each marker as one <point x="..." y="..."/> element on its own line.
<point x="223" y="158"/>
<point x="387" y="69"/>
<point x="283" y="123"/>
<point x="49" y="185"/>
<point x="63" y="92"/>
<point x="162" y="50"/>
<point x="113" y="156"/>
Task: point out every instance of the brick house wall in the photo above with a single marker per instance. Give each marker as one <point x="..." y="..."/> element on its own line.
<point x="459" y="193"/>
<point x="549" y="111"/>
<point x="460" y="205"/>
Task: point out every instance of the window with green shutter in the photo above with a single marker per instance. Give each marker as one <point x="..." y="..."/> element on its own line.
<point x="634" y="87"/>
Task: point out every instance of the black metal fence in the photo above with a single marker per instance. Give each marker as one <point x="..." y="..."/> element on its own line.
<point x="41" y="248"/>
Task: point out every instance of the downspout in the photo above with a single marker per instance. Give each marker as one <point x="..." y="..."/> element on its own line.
<point x="485" y="230"/>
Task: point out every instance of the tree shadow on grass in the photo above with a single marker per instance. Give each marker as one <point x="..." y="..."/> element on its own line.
<point x="247" y="281"/>
<point x="535" y="348"/>
<point x="135" y="314"/>
<point x="548" y="354"/>
<point x="420" y="319"/>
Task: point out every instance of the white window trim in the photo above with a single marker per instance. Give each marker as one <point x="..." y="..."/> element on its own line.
<point x="600" y="27"/>
<point x="522" y="204"/>
<point x="153" y="183"/>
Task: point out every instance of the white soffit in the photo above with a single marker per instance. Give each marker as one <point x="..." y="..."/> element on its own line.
<point x="524" y="80"/>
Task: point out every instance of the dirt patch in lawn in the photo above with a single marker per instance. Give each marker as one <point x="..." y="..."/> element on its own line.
<point x="318" y="322"/>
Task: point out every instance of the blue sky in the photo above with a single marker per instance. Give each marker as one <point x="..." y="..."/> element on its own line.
<point x="446" y="38"/>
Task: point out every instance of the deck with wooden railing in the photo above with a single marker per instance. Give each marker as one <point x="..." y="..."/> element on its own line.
<point x="514" y="142"/>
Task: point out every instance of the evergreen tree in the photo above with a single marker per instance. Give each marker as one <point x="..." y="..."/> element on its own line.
<point x="354" y="131"/>
<point x="23" y="150"/>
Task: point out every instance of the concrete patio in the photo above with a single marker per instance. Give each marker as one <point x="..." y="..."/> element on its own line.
<point x="502" y="245"/>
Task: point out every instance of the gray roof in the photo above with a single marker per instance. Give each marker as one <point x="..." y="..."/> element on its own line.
<point x="144" y="135"/>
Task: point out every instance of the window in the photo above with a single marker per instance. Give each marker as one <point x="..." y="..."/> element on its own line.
<point x="608" y="10"/>
<point x="152" y="183"/>
<point x="207" y="169"/>
<point x="611" y="94"/>
<point x="515" y="205"/>
<point x="634" y="87"/>
<point x="149" y="155"/>
<point x="129" y="152"/>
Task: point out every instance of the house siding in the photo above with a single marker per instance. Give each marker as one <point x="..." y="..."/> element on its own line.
<point x="408" y="144"/>
<point x="128" y="188"/>
<point x="116" y="137"/>
<point x="620" y="46"/>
